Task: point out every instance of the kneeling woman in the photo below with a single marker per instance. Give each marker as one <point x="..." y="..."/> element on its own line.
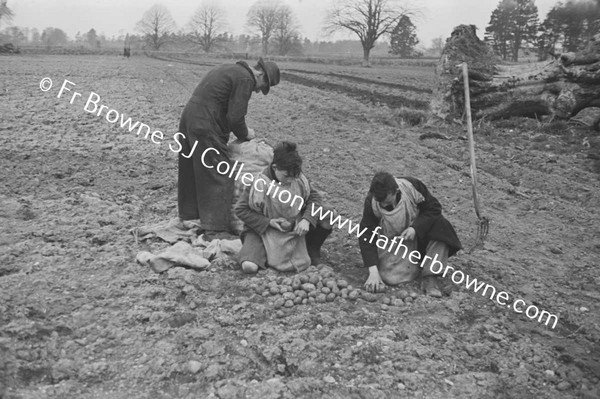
<point x="279" y="230"/>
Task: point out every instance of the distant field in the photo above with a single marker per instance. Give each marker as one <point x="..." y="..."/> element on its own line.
<point x="399" y="86"/>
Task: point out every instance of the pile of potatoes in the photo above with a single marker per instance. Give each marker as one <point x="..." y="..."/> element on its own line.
<point x="307" y="288"/>
<point x="319" y="285"/>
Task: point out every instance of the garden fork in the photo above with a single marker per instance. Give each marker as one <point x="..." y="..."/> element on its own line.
<point x="483" y="226"/>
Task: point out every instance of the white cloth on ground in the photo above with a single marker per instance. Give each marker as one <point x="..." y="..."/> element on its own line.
<point x="197" y="256"/>
<point x="170" y="231"/>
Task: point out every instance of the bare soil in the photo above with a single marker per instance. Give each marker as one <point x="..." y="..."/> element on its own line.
<point x="79" y="318"/>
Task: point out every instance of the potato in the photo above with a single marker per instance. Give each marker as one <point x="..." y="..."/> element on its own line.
<point x="342" y="284"/>
<point x="408" y="299"/>
<point x="285" y="288"/>
<point x="413" y="295"/>
<point x="289" y="296"/>
<point x="313" y="279"/>
<point x="319" y="285"/>
<point x="321" y="298"/>
<point x="335" y="290"/>
<point x="331" y="284"/>
<point x="311" y="300"/>
<point x="313" y="294"/>
<point x="274" y="290"/>
<point x="286" y="281"/>
<point x="397" y="302"/>
<point x="308" y="287"/>
<point x="353" y="295"/>
<point x="386" y="300"/>
<point x="297" y="300"/>
<point x="266" y="293"/>
<point x="325" y="290"/>
<point x="350" y="288"/>
<point x="304" y="301"/>
<point x="344" y="292"/>
<point x="325" y="270"/>
<point x="279" y="302"/>
<point x="402" y="294"/>
<point x="303" y="278"/>
<point x="301" y="293"/>
<point x="296" y="283"/>
<point x="369" y="297"/>
<point x="289" y="303"/>
<point x="331" y="297"/>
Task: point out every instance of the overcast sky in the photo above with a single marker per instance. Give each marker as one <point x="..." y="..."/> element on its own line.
<point x="116" y="17"/>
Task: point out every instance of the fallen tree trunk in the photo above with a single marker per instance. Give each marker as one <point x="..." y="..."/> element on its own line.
<point x="557" y="89"/>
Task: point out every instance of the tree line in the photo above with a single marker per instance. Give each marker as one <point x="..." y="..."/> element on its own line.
<point x="514" y="25"/>
<point x="274" y="27"/>
<point x="277" y="28"/>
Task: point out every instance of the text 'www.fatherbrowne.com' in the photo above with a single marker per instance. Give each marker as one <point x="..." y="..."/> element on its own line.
<point x="396" y="246"/>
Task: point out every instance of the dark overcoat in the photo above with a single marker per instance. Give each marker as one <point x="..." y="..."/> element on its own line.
<point x="217" y="107"/>
<point x="429" y="225"/>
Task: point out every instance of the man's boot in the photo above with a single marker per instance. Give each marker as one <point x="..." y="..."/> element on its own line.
<point x="314" y="240"/>
<point x="431" y="286"/>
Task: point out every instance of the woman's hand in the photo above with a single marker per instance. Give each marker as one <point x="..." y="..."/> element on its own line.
<point x="408" y="234"/>
<point x="374" y="282"/>
<point x="302" y="227"/>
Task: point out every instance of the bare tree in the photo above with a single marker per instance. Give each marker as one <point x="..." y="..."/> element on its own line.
<point x="286" y="36"/>
<point x="54" y="37"/>
<point x="155" y="25"/>
<point x="15" y="35"/>
<point x="206" y="24"/>
<point x="368" y="19"/>
<point x="263" y="16"/>
<point x="437" y="45"/>
<point x="5" y="12"/>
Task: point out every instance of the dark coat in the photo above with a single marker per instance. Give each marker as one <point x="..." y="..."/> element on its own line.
<point x="217" y="107"/>
<point x="430" y="225"/>
<point x="220" y="102"/>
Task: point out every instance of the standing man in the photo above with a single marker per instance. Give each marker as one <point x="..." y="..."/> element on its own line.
<point x="406" y="232"/>
<point x="218" y="106"/>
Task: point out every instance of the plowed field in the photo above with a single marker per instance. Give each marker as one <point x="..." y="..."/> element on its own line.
<point x="79" y="318"/>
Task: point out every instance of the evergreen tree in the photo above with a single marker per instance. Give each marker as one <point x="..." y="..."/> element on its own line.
<point x="92" y="38"/>
<point x="573" y="23"/>
<point x="497" y="34"/>
<point x="403" y="38"/>
<point x="513" y="23"/>
<point x="526" y="26"/>
<point x="549" y="35"/>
